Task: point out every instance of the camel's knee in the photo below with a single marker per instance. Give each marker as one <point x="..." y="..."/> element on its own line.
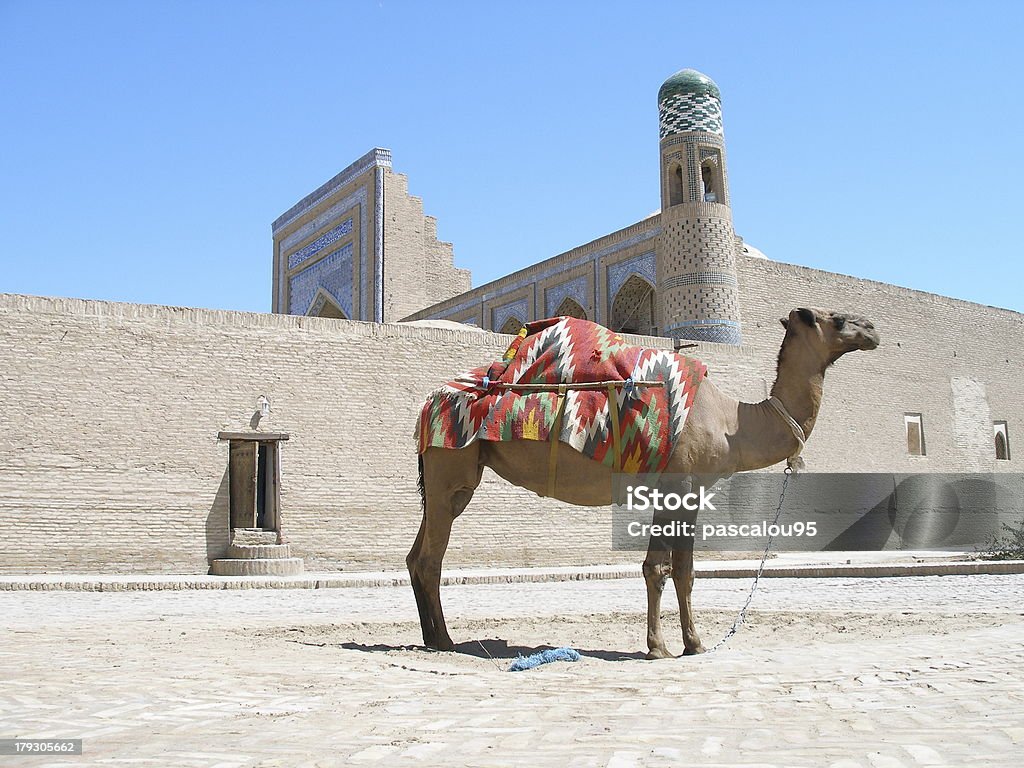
<point x="412" y="564"/>
<point x="656" y="572"/>
<point x="412" y="560"/>
<point x="414" y="553"/>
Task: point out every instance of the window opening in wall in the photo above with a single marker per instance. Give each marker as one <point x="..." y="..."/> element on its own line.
<point x="712" y="176"/>
<point x="708" y="181"/>
<point x="675" y="185"/>
<point x="1002" y="439"/>
<point x="915" y="434"/>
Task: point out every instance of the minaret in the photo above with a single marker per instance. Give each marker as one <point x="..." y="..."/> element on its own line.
<point x="696" y="250"/>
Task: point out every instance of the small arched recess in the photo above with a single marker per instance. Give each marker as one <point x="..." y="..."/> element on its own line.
<point x="633" y="309"/>
<point x="511" y="326"/>
<point x="571" y="308"/>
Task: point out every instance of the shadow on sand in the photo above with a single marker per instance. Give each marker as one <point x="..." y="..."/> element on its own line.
<point x="493" y="649"/>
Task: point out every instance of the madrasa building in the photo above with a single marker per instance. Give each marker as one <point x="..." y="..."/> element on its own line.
<point x="360" y="247"/>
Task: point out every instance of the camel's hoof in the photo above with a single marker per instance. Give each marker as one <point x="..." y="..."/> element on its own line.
<point x="693" y="651"/>
<point x="658" y="653"/>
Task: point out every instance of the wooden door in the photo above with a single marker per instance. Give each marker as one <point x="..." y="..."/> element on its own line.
<point x="242" y="480"/>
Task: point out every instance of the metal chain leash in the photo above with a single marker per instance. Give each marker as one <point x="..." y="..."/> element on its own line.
<point x="760" y="570"/>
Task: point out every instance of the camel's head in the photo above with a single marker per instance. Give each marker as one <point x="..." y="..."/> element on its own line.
<point x="833" y="334"/>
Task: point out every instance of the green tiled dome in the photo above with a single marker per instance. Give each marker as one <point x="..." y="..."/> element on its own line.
<point x="688" y="81"/>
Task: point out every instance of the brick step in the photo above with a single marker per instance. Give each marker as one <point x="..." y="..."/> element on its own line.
<point x="287" y="566"/>
<point x="253" y="536"/>
<point x="259" y="551"/>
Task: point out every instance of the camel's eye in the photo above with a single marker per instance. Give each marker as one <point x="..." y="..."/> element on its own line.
<point x="807" y="316"/>
<point x="839" y="321"/>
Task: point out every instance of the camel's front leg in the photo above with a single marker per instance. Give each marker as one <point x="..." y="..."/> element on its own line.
<point x="682" y="577"/>
<point x="657" y="567"/>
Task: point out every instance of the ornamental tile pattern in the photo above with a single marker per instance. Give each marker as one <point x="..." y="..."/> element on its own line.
<point x="683" y="112"/>
<point x="517" y="309"/>
<point x="618" y="274"/>
<point x="699" y="278"/>
<point x="327" y="238"/>
<point x="532" y="278"/>
<point x="356" y="203"/>
<point x="693" y="174"/>
<point x="718" y="331"/>
<point x="575" y="289"/>
<point x="333" y="274"/>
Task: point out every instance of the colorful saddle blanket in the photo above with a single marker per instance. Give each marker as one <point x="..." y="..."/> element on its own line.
<point x="565" y="350"/>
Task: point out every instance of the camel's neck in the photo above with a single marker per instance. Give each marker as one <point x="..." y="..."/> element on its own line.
<point x="799" y="384"/>
<point x="763" y="438"/>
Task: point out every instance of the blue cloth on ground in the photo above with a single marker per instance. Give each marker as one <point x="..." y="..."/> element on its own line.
<point x="544" y="657"/>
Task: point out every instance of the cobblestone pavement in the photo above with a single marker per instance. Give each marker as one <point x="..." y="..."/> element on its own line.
<point x="916" y="671"/>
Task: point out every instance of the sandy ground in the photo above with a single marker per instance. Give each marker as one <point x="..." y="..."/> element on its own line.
<point x="827" y="672"/>
<point x="619" y="636"/>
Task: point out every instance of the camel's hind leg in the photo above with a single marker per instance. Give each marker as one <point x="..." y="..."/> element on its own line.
<point x="422" y="605"/>
<point x="448" y="478"/>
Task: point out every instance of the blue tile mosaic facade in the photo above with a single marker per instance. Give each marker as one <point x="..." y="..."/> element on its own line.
<point x="700" y="278"/>
<point x="532" y="278"/>
<point x="517" y="309"/>
<point x="618" y="274"/>
<point x="369" y="265"/>
<point x="575" y="289"/>
<point x="715" y="331"/>
<point x="327" y="238"/>
<point x="354" y="203"/>
<point x="333" y="274"/>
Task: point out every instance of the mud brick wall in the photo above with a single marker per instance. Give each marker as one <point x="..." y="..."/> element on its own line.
<point x="109" y="415"/>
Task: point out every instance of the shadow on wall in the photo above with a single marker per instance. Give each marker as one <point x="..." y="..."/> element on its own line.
<point x="928" y="511"/>
<point x="217" y="523"/>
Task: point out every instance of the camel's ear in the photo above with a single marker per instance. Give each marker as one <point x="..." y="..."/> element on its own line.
<point x="807" y="316"/>
<point x="785" y="322"/>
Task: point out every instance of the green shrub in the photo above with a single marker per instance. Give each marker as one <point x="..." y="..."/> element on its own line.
<point x="1008" y="546"/>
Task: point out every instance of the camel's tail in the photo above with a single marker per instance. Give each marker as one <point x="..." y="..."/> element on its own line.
<point x="420" y="487"/>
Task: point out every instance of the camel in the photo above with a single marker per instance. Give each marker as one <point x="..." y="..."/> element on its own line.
<point x="721" y="436"/>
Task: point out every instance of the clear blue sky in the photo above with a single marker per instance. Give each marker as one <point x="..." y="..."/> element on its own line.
<point x="147" y="146"/>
